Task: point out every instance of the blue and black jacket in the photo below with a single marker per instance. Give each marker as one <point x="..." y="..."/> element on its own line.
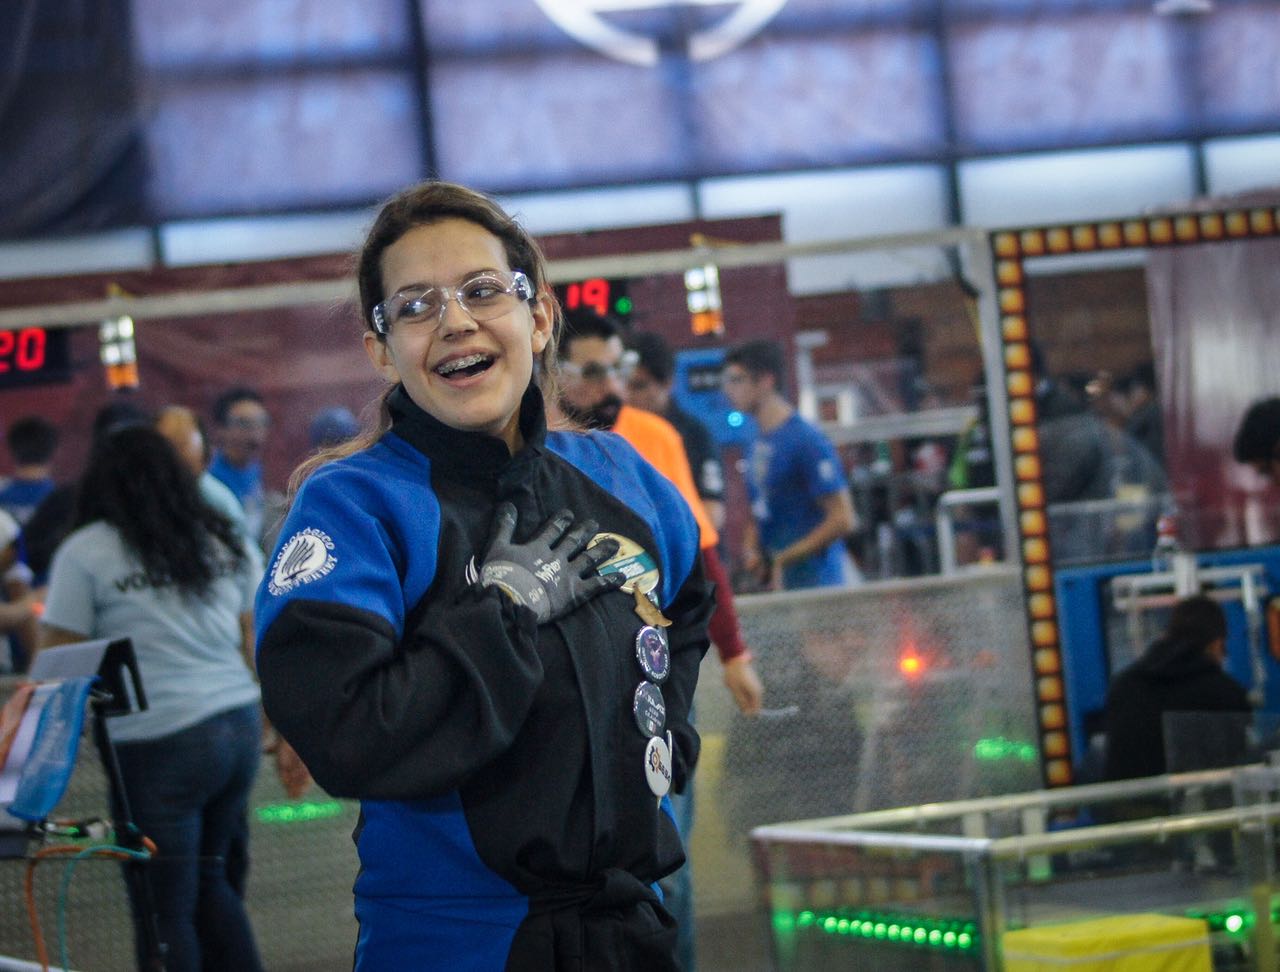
<point x="506" y="820"/>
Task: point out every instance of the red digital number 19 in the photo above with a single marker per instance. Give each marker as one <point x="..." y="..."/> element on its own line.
<point x="593" y="293"/>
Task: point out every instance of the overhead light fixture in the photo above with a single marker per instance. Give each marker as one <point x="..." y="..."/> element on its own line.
<point x="116" y="347"/>
<point x="702" y="294"/>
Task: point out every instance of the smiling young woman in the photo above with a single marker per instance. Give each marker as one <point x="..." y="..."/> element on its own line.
<point x="467" y="364"/>
<point x="450" y="628"/>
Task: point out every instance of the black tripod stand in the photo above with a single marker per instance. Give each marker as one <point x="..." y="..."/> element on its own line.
<point x="116" y="691"/>
<point x="113" y="695"/>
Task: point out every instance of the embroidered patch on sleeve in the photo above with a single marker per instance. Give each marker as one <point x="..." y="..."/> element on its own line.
<point x="306" y="556"/>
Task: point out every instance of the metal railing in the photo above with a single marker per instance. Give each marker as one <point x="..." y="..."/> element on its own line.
<point x="985" y="859"/>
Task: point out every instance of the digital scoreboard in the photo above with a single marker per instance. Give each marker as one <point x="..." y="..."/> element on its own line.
<point x="605" y="297"/>
<point x="34" y="356"/>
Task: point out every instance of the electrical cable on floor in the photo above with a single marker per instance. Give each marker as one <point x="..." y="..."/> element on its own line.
<point x="76" y="853"/>
<point x="64" y="888"/>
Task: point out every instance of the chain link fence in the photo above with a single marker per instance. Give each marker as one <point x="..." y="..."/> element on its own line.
<point x="889" y="694"/>
<point x="302" y="868"/>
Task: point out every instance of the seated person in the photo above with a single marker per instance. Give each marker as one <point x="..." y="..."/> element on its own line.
<point x="1182" y="671"/>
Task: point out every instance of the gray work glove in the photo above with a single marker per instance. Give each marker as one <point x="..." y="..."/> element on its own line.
<point x="553" y="572"/>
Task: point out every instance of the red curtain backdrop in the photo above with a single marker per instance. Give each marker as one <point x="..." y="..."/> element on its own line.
<point x="1215" y="326"/>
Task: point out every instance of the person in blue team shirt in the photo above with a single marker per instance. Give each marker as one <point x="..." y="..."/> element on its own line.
<point x="241" y="424"/>
<point x="32" y="442"/>
<point x="800" y="504"/>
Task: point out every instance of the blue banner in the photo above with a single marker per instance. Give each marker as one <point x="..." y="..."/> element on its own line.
<point x="48" y="768"/>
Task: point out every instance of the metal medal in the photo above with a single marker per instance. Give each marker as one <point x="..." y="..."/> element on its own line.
<point x="649" y="709"/>
<point x="648" y="610"/>
<point x="653" y="653"/>
<point x="657" y="766"/>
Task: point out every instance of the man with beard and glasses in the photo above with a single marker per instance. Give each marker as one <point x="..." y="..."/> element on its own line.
<point x="594" y="370"/>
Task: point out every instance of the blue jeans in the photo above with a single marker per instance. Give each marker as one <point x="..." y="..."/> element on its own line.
<point x="189" y="792"/>
<point x="677" y="888"/>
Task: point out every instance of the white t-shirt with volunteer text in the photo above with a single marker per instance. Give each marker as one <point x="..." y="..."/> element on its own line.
<point x="188" y="647"/>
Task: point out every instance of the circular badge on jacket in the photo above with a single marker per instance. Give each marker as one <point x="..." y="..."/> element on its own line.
<point x="657" y="766"/>
<point x="632" y="561"/>
<point x="653" y="653"/>
<point x="649" y="709"/>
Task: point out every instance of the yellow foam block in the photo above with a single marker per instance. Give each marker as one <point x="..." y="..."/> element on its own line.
<point x="1117" y="943"/>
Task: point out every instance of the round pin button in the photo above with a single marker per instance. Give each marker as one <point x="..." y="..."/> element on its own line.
<point x="652" y="652"/>
<point x="649" y="709"/>
<point x="657" y="766"/>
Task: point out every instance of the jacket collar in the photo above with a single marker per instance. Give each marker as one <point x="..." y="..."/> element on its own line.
<point x="468" y="455"/>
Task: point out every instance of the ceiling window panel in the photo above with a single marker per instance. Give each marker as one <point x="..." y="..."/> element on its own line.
<point x="170" y="35"/>
<point x="836" y="204"/>
<point x="281" y="142"/>
<point x="1049" y="81"/>
<point x="1241" y="73"/>
<point x="114" y="251"/>
<point x="276" y="106"/>
<point x="1062" y="186"/>
<point x="188" y="243"/>
<point x="514" y="123"/>
<point x="593" y="209"/>
<point x="1242" y="164"/>
<point x="844" y="204"/>
<point x="819" y="101"/>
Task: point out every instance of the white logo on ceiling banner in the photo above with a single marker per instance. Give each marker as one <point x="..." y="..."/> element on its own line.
<point x="583" y="20"/>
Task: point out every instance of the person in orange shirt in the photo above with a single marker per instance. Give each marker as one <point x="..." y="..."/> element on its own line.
<point x="594" y="368"/>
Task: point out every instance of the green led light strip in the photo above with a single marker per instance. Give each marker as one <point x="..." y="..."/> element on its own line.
<point x="948" y="934"/>
<point x="916" y="931"/>
<point x="282" y="813"/>
<point x="994" y="749"/>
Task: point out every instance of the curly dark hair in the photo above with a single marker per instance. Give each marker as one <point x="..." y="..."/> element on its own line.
<point x="135" y="482"/>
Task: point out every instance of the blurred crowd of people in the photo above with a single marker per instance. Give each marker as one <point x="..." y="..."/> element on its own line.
<point x="159" y="538"/>
<point x="818" y="516"/>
